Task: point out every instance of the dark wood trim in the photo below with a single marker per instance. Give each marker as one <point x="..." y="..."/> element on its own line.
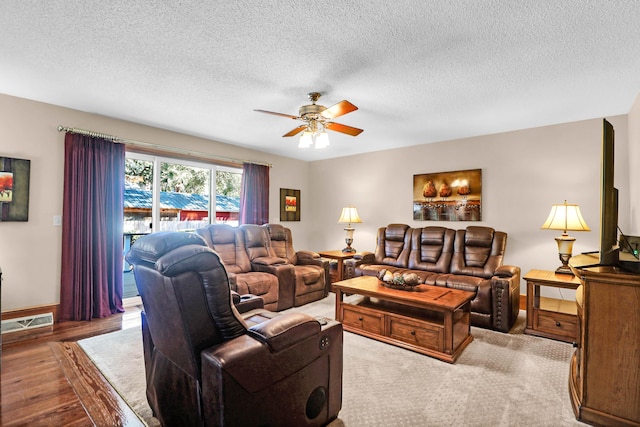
<point x="523" y="302"/>
<point x="32" y="311"/>
<point x="103" y="404"/>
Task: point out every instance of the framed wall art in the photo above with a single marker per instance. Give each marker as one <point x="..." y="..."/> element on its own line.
<point x="14" y="189"/>
<point x="448" y="196"/>
<point x="289" y="205"/>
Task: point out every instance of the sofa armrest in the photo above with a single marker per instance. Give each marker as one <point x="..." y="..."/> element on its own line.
<point x="233" y="281"/>
<point x="311" y="258"/>
<point x="246" y="302"/>
<point x="507" y="271"/>
<point x="268" y="260"/>
<point x="284" y="331"/>
<point x="505" y="289"/>
<point x="286" y="281"/>
<point x="358" y="259"/>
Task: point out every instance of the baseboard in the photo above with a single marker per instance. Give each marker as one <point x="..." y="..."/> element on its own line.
<point x="32" y="311"/>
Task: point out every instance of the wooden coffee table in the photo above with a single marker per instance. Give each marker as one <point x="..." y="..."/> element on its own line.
<point x="431" y="320"/>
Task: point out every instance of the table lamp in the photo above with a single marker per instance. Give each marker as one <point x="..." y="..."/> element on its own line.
<point x="349" y="215"/>
<point x="565" y="217"/>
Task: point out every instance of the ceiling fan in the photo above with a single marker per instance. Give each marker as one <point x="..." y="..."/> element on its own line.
<point x="317" y="120"/>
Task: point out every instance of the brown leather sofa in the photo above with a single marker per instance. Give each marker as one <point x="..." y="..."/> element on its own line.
<point x="273" y="284"/>
<point x="311" y="271"/>
<point x="469" y="259"/>
<point x="208" y="365"/>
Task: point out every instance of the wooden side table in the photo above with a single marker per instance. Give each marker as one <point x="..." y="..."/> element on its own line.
<point x="551" y="317"/>
<point x="340" y="257"/>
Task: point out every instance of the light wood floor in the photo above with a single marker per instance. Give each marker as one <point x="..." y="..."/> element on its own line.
<point x="47" y="380"/>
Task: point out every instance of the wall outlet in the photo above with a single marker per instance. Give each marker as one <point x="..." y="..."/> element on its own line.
<point x="57" y="220"/>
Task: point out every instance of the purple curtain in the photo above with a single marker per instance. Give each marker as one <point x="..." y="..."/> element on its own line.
<point x="254" y="195"/>
<point x="92" y="224"/>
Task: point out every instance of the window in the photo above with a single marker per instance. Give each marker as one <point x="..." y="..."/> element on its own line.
<point x="180" y="196"/>
<point x="170" y="194"/>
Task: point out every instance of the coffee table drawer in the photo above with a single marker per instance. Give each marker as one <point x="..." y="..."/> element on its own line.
<point x="417" y="333"/>
<point x="363" y="319"/>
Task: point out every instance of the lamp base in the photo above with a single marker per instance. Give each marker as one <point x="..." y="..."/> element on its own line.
<point x="564" y="269"/>
<point x="564" y="259"/>
<point x="348" y="241"/>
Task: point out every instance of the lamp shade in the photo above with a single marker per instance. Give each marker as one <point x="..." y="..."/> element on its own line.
<point x="349" y="215"/>
<point x="565" y="217"/>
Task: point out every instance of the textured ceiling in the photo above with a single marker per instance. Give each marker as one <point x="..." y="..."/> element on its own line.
<point x="419" y="71"/>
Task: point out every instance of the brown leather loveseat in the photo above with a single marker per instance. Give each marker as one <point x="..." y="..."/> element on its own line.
<point x="469" y="259"/>
<point x="208" y="365"/>
<point x="274" y="285"/>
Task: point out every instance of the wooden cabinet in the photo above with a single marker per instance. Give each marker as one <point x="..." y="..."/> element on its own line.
<point x="550" y="317"/>
<point x="604" y="379"/>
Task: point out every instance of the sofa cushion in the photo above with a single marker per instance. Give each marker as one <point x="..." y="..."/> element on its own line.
<point x="478" y="251"/>
<point x="393" y="245"/>
<point x="431" y="249"/>
<point x="258" y="283"/>
<point x="228" y="243"/>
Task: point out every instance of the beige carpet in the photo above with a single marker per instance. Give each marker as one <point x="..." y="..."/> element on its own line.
<point x="499" y="380"/>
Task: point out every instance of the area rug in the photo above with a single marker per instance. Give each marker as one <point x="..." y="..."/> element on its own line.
<point x="499" y="380"/>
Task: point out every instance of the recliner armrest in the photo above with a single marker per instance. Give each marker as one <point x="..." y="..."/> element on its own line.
<point x="360" y="258"/>
<point x="268" y="260"/>
<point x="246" y="302"/>
<point x="507" y="271"/>
<point x="312" y="258"/>
<point x="282" y="332"/>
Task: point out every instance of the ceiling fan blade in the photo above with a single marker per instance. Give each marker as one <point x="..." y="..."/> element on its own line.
<point x="339" y="109"/>
<point x="296" y="131"/>
<point x="337" y="127"/>
<point x="278" y="114"/>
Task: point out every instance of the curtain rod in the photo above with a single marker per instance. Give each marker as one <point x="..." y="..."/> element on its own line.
<point x="127" y="141"/>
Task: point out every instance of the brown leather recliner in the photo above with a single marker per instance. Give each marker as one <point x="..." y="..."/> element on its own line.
<point x="311" y="271"/>
<point x="228" y="242"/>
<point x="207" y="365"/>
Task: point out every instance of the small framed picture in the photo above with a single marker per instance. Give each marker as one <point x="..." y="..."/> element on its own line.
<point x="289" y="205"/>
<point x="14" y="189"/>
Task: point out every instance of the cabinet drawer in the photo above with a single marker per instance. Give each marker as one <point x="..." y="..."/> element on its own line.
<point x="556" y="323"/>
<point x="363" y="319"/>
<point x="417" y="333"/>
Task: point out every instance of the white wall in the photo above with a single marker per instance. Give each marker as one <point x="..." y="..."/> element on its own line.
<point x="30" y="252"/>
<point x="523" y="173"/>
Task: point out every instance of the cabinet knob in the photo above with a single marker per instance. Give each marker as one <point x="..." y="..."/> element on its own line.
<point x="360" y="319"/>
<point x="412" y="332"/>
<point x="575" y="344"/>
<point x="558" y="324"/>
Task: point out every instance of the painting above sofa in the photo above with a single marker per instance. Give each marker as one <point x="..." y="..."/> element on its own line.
<point x="448" y="196"/>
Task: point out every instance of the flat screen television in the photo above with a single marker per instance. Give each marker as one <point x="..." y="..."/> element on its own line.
<point x="609" y="249"/>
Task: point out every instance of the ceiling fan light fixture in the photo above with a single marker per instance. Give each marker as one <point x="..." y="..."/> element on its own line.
<point x="306" y="139"/>
<point x="322" y="140"/>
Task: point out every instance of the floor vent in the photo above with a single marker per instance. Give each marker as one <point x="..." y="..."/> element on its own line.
<point x="29" y="322"/>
